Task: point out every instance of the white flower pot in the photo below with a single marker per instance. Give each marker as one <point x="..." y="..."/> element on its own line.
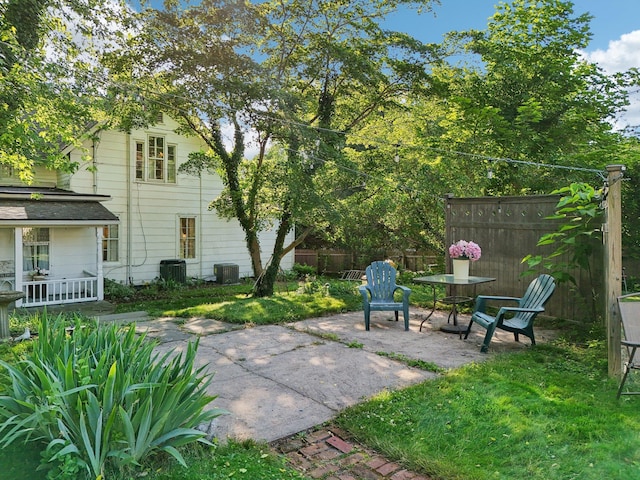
<point x="461" y="269"/>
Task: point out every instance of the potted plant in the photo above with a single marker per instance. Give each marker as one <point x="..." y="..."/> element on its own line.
<point x="39" y="274"/>
<point x="462" y="253"/>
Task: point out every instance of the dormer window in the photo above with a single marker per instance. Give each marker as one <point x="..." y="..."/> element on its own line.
<point x="155" y="160"/>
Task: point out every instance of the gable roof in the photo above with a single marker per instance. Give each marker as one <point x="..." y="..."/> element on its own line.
<point x="52" y="206"/>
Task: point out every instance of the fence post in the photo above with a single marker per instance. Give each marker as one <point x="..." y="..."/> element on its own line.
<point x="613" y="266"/>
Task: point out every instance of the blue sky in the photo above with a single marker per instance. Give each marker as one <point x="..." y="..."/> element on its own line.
<point x="612" y="19"/>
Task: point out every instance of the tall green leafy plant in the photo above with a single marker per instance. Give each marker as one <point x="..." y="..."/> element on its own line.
<point x="101" y="397"/>
<point x="579" y="208"/>
<point x="573" y="241"/>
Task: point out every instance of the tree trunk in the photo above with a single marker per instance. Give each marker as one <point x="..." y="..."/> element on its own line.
<point x="265" y="283"/>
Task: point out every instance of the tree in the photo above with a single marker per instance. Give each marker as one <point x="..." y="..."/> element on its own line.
<point x="47" y="91"/>
<point x="297" y="73"/>
<point x="531" y="99"/>
<point x="390" y="200"/>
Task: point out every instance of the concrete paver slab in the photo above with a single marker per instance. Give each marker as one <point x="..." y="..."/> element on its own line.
<point x="262" y="409"/>
<point x="258" y="342"/>
<point x="338" y="376"/>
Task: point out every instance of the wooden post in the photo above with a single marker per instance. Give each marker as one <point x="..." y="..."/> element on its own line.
<point x="613" y="266"/>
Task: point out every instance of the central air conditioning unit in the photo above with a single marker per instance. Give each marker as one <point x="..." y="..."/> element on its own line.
<point x="175" y="270"/>
<point x="226" y="273"/>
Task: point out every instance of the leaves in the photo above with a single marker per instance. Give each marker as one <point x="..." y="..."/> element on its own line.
<point x="49" y="81"/>
<point x="104" y="397"/>
<point x="580" y="207"/>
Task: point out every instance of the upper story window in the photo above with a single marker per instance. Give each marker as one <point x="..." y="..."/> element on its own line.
<point x="156" y="160"/>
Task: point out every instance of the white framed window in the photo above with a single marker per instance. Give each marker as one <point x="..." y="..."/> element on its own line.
<point x="35" y="249"/>
<point x="156" y="161"/>
<point x="6" y="171"/>
<point x="187" y="240"/>
<point x="110" y="242"/>
<point x="139" y="161"/>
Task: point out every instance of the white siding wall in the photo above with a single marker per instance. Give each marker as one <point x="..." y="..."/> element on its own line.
<point x="72" y="250"/>
<point x="6" y="243"/>
<point x="156" y="207"/>
<point x="7" y="264"/>
<point x="42" y="178"/>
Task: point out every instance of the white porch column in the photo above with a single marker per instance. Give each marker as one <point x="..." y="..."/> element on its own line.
<point x="17" y="261"/>
<point x="99" y="272"/>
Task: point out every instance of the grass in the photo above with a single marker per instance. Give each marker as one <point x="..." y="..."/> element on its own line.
<point x="545" y="413"/>
<point x="234" y="304"/>
<point x="248" y="460"/>
<point x="421" y="364"/>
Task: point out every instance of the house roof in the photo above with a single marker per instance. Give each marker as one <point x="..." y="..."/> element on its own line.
<point x="52" y="206"/>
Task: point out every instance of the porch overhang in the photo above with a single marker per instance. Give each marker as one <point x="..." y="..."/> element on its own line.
<point x="24" y="206"/>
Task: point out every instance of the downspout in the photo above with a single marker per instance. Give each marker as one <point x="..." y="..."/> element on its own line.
<point x="128" y="279"/>
<point x="200" y="227"/>
<point x="17" y="262"/>
<point x="98" y="230"/>
<point x="94" y="162"/>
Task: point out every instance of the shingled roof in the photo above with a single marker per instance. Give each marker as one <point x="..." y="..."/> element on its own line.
<point x="52" y="206"/>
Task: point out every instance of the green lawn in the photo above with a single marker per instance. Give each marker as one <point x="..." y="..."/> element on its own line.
<point x="548" y="412"/>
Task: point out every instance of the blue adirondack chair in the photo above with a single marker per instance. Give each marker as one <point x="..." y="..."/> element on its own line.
<point x="518" y="319"/>
<point x="377" y="294"/>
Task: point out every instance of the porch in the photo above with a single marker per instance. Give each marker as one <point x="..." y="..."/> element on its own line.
<point x="51" y="245"/>
<point x="59" y="291"/>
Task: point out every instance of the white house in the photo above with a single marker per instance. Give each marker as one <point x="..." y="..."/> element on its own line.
<point x="128" y="215"/>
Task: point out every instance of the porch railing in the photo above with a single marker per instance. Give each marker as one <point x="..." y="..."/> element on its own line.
<point x="54" y="291"/>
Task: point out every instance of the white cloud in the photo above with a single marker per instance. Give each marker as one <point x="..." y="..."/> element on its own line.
<point x="621" y="55"/>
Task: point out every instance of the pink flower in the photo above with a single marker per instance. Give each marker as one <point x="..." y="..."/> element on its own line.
<point x="465" y="250"/>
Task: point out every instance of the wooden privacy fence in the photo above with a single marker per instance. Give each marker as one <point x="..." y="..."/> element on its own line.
<point x="337" y="261"/>
<point x="508" y="229"/>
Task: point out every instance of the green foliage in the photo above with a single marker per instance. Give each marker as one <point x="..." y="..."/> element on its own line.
<point x="532" y="98"/>
<point x="631" y="200"/>
<point x="579" y="208"/>
<point x="99" y="398"/>
<point x="342" y="288"/>
<point x="117" y="291"/>
<point x="324" y="67"/>
<point x="248" y="460"/>
<point x="48" y="88"/>
<point x="303" y="270"/>
<point x="312" y="286"/>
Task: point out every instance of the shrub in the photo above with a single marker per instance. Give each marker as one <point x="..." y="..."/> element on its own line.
<point x="116" y="290"/>
<point x="303" y="270"/>
<point x="100" y="398"/>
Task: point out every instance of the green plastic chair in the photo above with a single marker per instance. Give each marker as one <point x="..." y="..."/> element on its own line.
<point x="518" y="319"/>
<point x="377" y="294"/>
